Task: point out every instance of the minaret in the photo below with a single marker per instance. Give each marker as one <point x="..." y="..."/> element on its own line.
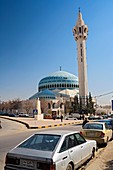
<point x="80" y="32"/>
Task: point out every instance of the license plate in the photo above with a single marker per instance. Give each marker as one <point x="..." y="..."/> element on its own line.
<point x="91" y="134"/>
<point x="28" y="163"/>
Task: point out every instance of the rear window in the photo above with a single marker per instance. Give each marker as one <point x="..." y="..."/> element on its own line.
<point x="93" y="126"/>
<point x="44" y="142"/>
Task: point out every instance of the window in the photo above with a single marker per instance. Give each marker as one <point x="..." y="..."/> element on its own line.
<point x="63" y="147"/>
<point x="53" y="105"/>
<point x="93" y="126"/>
<point x="49" y="106"/>
<point x="71" y="141"/>
<point x="106" y="126"/>
<point x="79" y="138"/>
<point x="61" y="105"/>
<point x="81" y="52"/>
<point x="44" y="142"/>
<point x="79" y="29"/>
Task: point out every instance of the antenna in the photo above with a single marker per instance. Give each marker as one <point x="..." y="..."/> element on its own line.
<point x="60" y="68"/>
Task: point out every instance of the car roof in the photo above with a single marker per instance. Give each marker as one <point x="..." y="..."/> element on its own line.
<point x="58" y="132"/>
<point x="94" y="122"/>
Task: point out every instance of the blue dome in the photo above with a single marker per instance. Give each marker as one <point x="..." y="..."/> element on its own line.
<point x="59" y="80"/>
<point x="44" y="94"/>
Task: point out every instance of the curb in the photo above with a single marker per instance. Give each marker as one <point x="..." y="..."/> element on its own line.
<point x="48" y="126"/>
<point x="40" y="127"/>
<point x="26" y="124"/>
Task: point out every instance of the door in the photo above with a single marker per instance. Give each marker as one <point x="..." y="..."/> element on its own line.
<point x="75" y="150"/>
<point x="85" y="148"/>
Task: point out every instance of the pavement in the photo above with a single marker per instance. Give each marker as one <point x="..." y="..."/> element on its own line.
<point x="33" y="123"/>
<point x="103" y="159"/>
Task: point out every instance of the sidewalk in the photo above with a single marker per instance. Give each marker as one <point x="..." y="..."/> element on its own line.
<point x="103" y="160"/>
<point x="32" y="123"/>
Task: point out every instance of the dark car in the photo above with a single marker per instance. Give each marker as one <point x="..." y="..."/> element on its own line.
<point x="94" y="117"/>
<point x="12" y="115"/>
<point x="109" y="122"/>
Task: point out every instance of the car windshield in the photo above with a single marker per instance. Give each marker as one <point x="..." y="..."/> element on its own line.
<point x="93" y="126"/>
<point x="44" y="142"/>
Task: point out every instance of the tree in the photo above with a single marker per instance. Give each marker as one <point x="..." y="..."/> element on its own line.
<point x="80" y="106"/>
<point x="28" y="105"/>
<point x="75" y="104"/>
<point x="90" y="108"/>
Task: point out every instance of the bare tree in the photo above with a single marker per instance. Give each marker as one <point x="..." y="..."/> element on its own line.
<point x="28" y="105"/>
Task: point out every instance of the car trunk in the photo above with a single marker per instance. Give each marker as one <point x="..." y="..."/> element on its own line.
<point x="92" y="133"/>
<point x="41" y="160"/>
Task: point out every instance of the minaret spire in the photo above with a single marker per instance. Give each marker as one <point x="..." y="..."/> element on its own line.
<point x="80" y="32"/>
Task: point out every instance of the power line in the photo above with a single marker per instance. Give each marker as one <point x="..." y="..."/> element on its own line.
<point x="104" y="94"/>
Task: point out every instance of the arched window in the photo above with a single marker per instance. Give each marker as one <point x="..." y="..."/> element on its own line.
<point x="49" y="106"/>
<point x="53" y="106"/>
<point x="61" y="105"/>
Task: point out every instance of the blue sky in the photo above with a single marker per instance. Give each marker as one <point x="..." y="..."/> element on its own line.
<point x="36" y="39"/>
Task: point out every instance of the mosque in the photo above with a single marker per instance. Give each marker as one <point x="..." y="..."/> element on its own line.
<point x="54" y="90"/>
<point x="59" y="87"/>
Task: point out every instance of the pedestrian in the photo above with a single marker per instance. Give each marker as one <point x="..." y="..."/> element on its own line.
<point x="0" y="125"/>
<point x="61" y="118"/>
<point x="85" y="121"/>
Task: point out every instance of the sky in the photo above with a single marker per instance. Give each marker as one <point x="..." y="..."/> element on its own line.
<point x="36" y="39"/>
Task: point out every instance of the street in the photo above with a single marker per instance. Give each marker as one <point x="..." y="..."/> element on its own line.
<point x="12" y="133"/>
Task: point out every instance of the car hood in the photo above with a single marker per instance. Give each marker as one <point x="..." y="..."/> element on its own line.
<point x="31" y="153"/>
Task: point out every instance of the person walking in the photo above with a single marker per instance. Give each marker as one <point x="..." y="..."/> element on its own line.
<point x="85" y="121"/>
<point x="61" y="118"/>
<point x="0" y="124"/>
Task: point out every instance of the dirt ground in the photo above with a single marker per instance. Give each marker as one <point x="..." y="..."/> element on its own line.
<point x="103" y="159"/>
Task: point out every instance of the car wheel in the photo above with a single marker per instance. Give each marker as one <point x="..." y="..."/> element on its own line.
<point x="105" y="144"/>
<point x="93" y="153"/>
<point x="69" y="167"/>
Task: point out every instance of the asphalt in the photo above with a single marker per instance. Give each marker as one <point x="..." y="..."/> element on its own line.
<point x="102" y="161"/>
<point x="32" y="123"/>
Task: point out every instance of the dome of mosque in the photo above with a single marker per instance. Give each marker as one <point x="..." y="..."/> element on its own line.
<point x="59" y="80"/>
<point x="43" y="94"/>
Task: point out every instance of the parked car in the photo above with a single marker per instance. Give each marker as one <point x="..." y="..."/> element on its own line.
<point x="105" y="116"/>
<point x="23" y="115"/>
<point x="94" y="117"/>
<point x="12" y="115"/>
<point x="70" y="118"/>
<point x="98" y="131"/>
<point x="51" y="150"/>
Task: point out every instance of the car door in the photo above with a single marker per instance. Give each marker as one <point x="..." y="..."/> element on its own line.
<point x="69" y="151"/>
<point x="84" y="145"/>
<point x="63" y="157"/>
<point x="75" y="150"/>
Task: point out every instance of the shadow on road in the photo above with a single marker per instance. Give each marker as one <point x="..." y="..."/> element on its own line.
<point x="109" y="165"/>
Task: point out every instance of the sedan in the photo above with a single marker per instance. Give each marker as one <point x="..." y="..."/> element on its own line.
<point x="51" y="150"/>
<point x="70" y="118"/>
<point x="98" y="131"/>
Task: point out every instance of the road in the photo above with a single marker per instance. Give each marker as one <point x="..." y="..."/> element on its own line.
<point x="12" y="133"/>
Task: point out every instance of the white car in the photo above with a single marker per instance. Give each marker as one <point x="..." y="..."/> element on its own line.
<point x="70" y="118"/>
<point x="51" y="150"/>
